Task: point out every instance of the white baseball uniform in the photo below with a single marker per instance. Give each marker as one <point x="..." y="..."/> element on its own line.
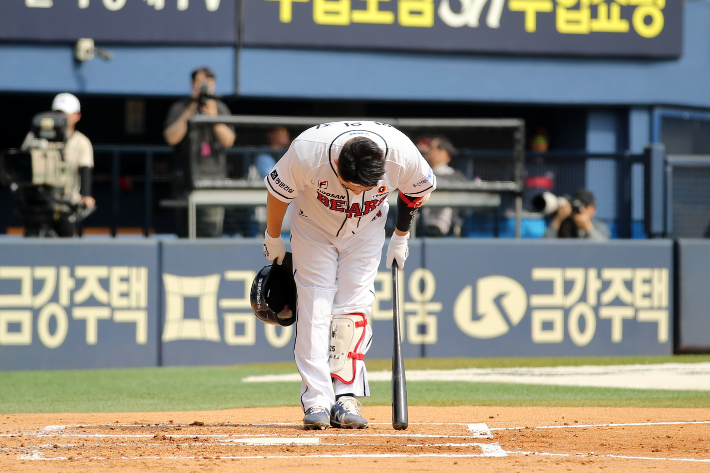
<point x="336" y="240"/>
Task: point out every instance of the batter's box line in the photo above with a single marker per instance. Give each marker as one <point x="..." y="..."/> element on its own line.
<point x="578" y="426"/>
<point x="489" y="450"/>
<point x="622" y="457"/>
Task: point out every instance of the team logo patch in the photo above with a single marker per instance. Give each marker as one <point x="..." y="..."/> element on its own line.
<point x="274" y="174"/>
<point x="381" y="189"/>
<point x="323" y="184"/>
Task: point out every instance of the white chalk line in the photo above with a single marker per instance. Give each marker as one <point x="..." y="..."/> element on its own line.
<point x="622" y="457"/>
<point x="489" y="450"/>
<point x="37" y="456"/>
<point x="577" y="426"/>
<point x="661" y="376"/>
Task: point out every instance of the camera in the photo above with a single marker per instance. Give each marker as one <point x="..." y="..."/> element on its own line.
<point x="40" y="161"/>
<point x="548" y="203"/>
<point x="204" y="94"/>
<point x="577" y="205"/>
<point x="38" y="175"/>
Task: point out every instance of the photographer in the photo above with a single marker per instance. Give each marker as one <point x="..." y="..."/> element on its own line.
<point x="576" y="219"/>
<point x="79" y="157"/>
<point x="212" y="141"/>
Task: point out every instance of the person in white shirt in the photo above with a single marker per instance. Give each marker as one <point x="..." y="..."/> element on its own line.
<point x="334" y="181"/>
<point x="78" y="154"/>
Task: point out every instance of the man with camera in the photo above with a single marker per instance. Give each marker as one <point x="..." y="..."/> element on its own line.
<point x="575" y="219"/>
<point x="78" y="158"/>
<point x="212" y="140"/>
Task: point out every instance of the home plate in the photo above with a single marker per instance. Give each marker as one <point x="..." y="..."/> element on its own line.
<point x="276" y="441"/>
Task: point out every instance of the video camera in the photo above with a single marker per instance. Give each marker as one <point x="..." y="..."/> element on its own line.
<point x="548" y="203"/>
<point x="38" y="175"/>
<point x="40" y="161"/>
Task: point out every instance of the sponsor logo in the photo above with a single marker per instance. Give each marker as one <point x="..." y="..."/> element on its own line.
<point x="381" y="189"/>
<point x="275" y="177"/>
<point x="355" y="210"/>
<point x="422" y="182"/>
<point x="323" y="184"/>
<point x="333" y="196"/>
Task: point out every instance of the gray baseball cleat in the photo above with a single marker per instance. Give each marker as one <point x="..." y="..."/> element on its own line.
<point x="346" y="414"/>
<point x="316" y="418"/>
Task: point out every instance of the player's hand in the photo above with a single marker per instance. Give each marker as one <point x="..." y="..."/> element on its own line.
<point x="398" y="249"/>
<point x="274" y="248"/>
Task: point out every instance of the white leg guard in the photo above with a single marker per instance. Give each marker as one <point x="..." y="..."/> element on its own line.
<point x="347" y="334"/>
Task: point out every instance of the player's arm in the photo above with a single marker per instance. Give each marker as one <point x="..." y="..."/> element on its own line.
<point x="274" y="248"/>
<point x="275" y="212"/>
<point x="407" y="207"/>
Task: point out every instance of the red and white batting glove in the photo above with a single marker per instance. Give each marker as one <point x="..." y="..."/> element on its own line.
<point x="274" y="248"/>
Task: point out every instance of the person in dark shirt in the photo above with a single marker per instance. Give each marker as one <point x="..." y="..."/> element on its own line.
<point x="211" y="143"/>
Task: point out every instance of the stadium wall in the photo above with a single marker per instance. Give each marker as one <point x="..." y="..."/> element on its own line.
<point x="149" y="69"/>
<point x="99" y="303"/>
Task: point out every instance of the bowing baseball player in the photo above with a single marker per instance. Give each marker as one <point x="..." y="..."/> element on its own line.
<point x="334" y="180"/>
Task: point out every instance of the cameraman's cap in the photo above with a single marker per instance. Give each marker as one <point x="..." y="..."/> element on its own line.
<point x="586" y="197"/>
<point x="66" y="103"/>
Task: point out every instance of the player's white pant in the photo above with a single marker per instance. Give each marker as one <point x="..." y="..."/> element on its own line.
<point x="333" y="276"/>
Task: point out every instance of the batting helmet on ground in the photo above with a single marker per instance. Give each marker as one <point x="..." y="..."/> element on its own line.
<point x="273" y="294"/>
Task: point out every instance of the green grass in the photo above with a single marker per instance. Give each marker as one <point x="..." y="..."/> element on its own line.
<point x="213" y="388"/>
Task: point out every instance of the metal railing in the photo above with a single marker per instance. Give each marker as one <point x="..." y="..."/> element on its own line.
<point x="620" y="205"/>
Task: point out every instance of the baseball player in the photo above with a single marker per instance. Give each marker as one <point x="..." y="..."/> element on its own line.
<point x="336" y="178"/>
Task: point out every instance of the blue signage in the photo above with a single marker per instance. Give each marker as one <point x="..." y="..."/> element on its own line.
<point x="120" y="21"/>
<point x="207" y="316"/>
<point x="78" y="304"/>
<point x="84" y="304"/>
<point x="643" y="28"/>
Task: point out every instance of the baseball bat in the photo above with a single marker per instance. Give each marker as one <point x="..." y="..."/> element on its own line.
<point x="399" y="382"/>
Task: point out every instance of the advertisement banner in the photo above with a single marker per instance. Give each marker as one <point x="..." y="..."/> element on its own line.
<point x="120" y="21"/>
<point x="207" y="317"/>
<point x="641" y="28"/>
<point x="459" y="298"/>
<point x="78" y="304"/>
<point x="84" y="304"/>
<point x="543" y="298"/>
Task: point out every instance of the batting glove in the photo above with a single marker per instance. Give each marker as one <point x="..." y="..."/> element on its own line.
<point x="398" y="249"/>
<point x="274" y="248"/>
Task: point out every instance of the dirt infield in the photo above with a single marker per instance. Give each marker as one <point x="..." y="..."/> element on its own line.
<point x="487" y="439"/>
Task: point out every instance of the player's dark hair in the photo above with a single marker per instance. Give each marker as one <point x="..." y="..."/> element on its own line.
<point x="361" y="162"/>
<point x="205" y="70"/>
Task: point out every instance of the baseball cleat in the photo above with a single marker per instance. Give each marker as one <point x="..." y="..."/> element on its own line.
<point x="346" y="414"/>
<point x="316" y="418"/>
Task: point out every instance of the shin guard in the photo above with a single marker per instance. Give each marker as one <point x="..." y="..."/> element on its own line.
<point x="347" y="336"/>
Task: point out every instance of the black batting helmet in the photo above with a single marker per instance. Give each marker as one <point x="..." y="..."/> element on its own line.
<point x="273" y="293"/>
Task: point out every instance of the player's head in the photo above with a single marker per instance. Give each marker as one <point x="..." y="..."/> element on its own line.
<point x="361" y="162"/>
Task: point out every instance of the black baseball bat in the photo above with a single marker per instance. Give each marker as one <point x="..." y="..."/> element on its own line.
<point x="399" y="381"/>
